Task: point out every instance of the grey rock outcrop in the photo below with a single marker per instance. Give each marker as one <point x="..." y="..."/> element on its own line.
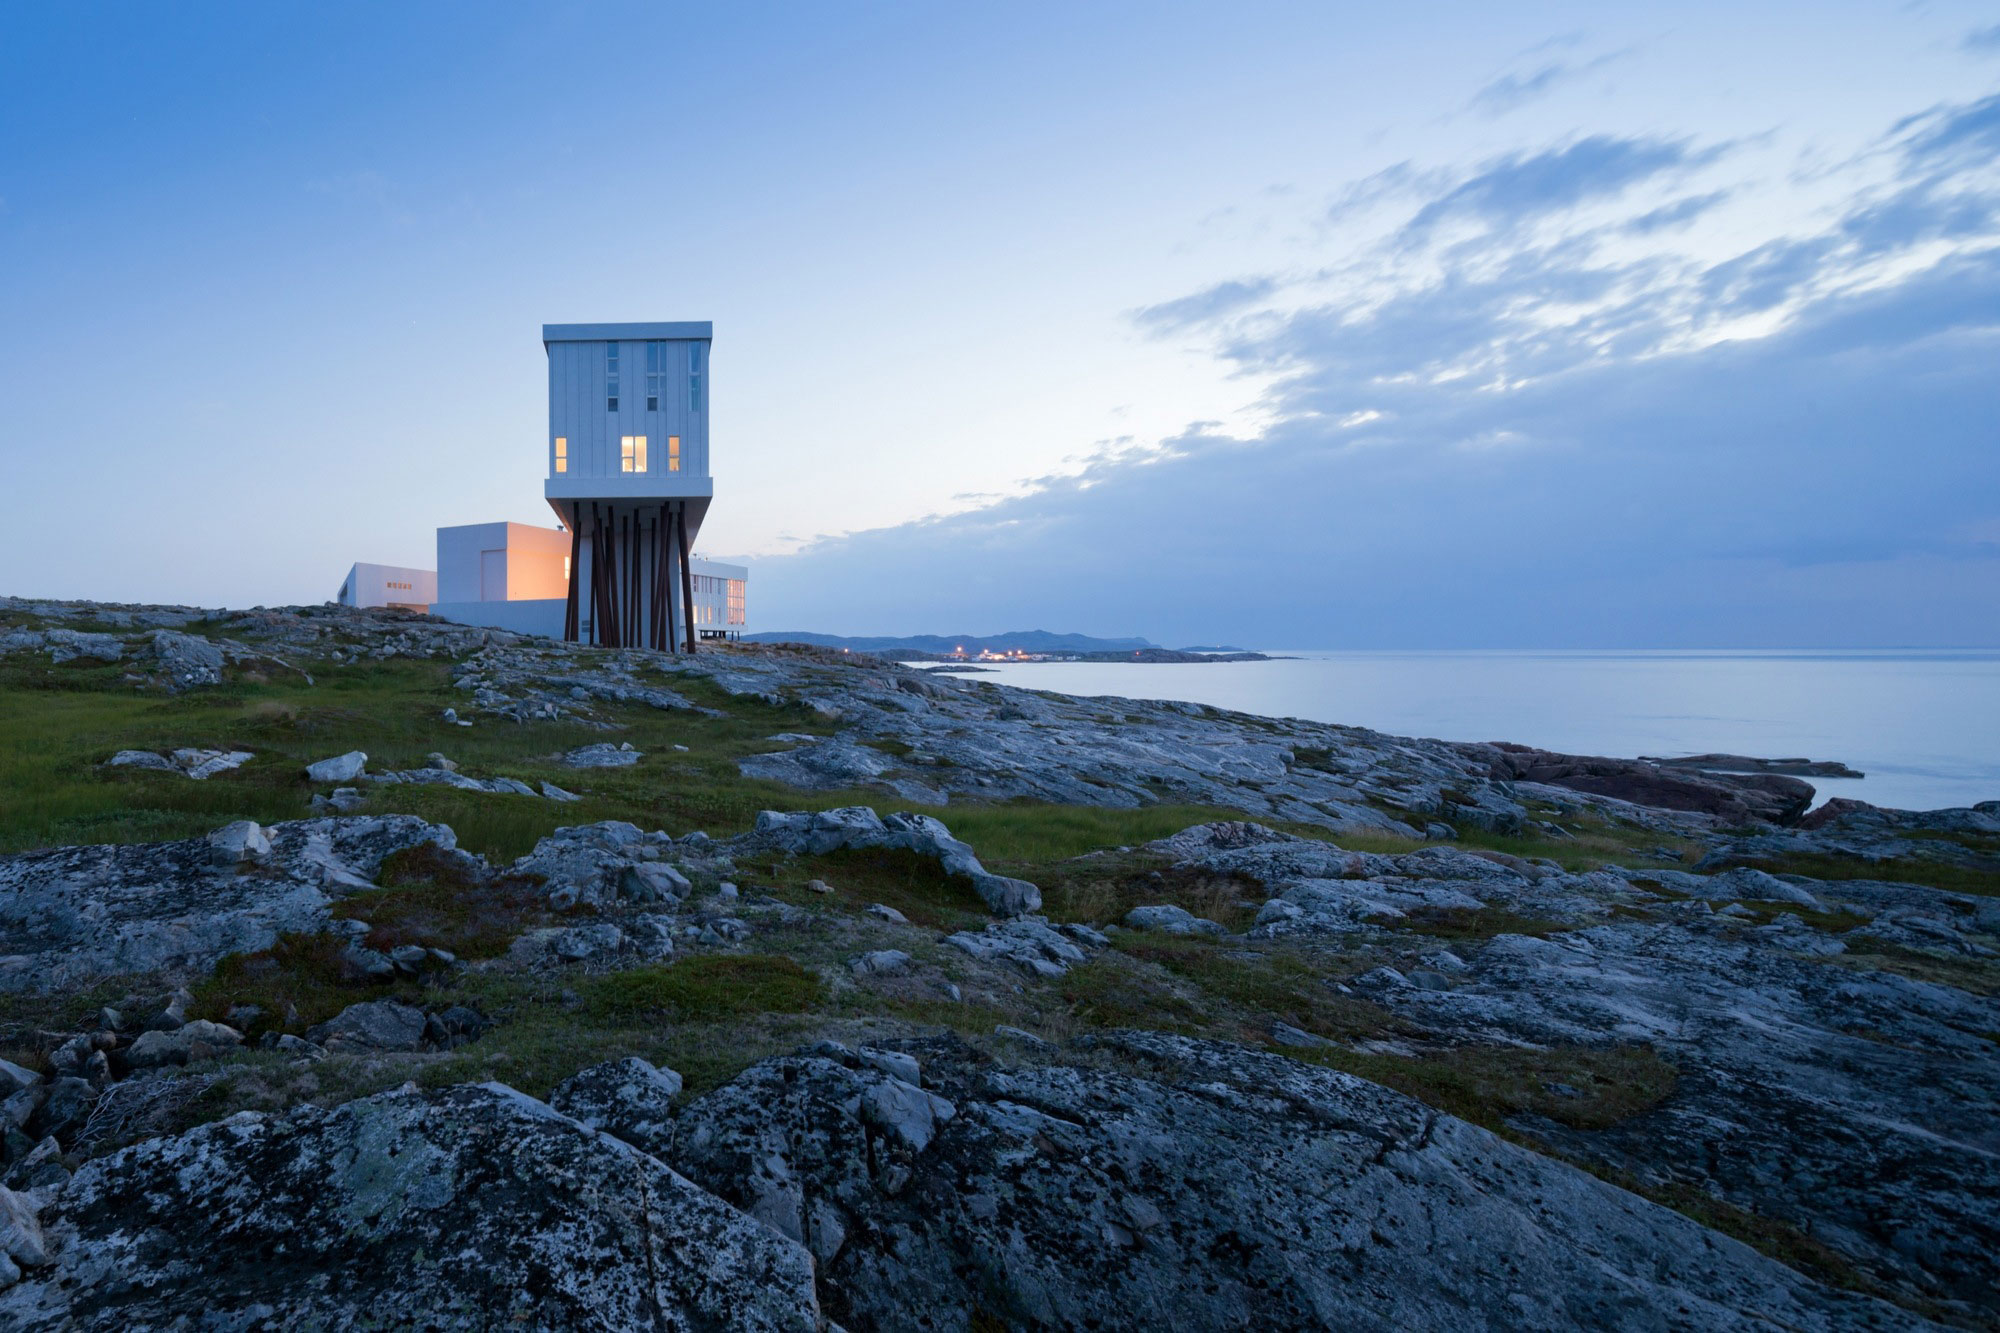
<point x="74" y="913"/>
<point x="188" y="661"/>
<point x="1815" y="1087"/>
<point x="1185" y="1184"/>
<point x="373" y="1025"/>
<point x="467" y="1209"/>
<point x="1729" y="797"/>
<point x="602" y="756"/>
<point x="190" y="763"/>
<point x="858" y="826"/>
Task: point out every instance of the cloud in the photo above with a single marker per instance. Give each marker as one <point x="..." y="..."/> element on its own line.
<point x="1518" y="441"/>
<point x="1203" y="306"/>
<point x="1968" y="133"/>
<point x="1768" y="275"/>
<point x="1783" y="490"/>
<point x="1510" y="91"/>
<point x="1677" y="213"/>
<point x="1982" y="41"/>
<point x="1518" y="187"/>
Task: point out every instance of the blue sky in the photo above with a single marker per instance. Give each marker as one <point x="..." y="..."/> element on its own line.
<point x="1295" y="325"/>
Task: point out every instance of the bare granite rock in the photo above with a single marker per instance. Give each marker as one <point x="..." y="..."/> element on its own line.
<point x="471" y="1208"/>
<point x="1173" y="1183"/>
<point x="1816" y="1085"/>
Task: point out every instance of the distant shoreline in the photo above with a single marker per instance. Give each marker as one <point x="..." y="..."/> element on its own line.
<point x="1169" y="655"/>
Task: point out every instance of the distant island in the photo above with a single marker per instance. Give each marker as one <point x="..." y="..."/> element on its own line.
<point x="1034" y="645"/>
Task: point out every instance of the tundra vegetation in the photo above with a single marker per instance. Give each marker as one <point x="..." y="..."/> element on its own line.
<point x="784" y="863"/>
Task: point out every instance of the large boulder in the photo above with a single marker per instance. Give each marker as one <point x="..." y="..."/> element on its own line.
<point x="373" y="1025"/>
<point x="470" y="1208"/>
<point x="1199" y="1185"/>
<point x="340" y="768"/>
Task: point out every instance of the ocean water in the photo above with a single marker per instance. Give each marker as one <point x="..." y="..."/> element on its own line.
<point x="1923" y="726"/>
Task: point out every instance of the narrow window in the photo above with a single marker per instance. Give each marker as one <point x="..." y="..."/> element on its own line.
<point x="673" y="453"/>
<point x="694" y="377"/>
<point x="654" y="356"/>
<point x="562" y="454"/>
<point x="611" y="378"/>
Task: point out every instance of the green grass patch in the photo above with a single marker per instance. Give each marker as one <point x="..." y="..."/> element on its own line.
<point x="428" y="899"/>
<point x="914" y="885"/>
<point x="1098" y="889"/>
<point x="1475" y="923"/>
<point x="1582" y="1087"/>
<point x="717" y="986"/>
<point x="299" y="981"/>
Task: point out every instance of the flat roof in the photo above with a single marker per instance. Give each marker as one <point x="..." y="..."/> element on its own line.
<point x="597" y="333"/>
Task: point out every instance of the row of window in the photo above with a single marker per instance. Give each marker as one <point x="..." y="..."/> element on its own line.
<point x="656" y="359"/>
<point x="631" y="453"/>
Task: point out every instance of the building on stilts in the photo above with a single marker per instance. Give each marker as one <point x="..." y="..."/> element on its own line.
<point x="628" y="476"/>
<point x="629" y="482"/>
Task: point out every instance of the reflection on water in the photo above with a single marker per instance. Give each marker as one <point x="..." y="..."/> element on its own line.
<point x="1924" y="726"/>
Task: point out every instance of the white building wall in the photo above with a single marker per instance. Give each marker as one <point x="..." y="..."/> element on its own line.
<point x="501" y="562"/>
<point x="721" y="596"/>
<point x="388" y="585"/>
<point x="579" y="398"/>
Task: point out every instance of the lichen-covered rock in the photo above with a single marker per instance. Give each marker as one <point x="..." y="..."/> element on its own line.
<point x="629" y="1098"/>
<point x="1203" y="1186"/>
<point x="470" y="1208"/>
<point x="188" y="661"/>
<point x="75" y="913"/>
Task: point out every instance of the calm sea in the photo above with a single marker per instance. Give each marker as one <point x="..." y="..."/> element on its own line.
<point x="1923" y="726"/>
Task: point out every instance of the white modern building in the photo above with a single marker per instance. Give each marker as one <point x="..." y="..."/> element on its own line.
<point x="629" y="483"/>
<point x="628" y="475"/>
<point x="388" y="585"/>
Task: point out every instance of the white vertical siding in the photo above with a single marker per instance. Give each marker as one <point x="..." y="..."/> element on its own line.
<point x="578" y="376"/>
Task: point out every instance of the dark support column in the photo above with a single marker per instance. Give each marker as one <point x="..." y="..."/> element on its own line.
<point x="632" y="580"/>
<point x="596" y="575"/>
<point x="613" y="627"/>
<point x="575" y="569"/>
<point x="662" y="603"/>
<point x="687" y="577"/>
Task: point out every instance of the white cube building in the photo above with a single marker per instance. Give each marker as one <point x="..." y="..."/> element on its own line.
<point x="388" y="585"/>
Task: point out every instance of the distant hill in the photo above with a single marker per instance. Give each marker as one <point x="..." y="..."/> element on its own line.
<point x="1026" y="640"/>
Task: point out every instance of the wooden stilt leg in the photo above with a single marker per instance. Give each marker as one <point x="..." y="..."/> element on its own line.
<point x="575" y="569"/>
<point x="687" y="576"/>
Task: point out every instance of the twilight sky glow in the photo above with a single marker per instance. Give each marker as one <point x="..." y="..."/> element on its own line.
<point x="1284" y="324"/>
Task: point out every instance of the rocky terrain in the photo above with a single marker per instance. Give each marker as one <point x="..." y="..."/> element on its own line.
<point x="458" y="980"/>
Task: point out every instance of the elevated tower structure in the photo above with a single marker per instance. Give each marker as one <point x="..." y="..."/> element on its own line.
<point x="628" y="476"/>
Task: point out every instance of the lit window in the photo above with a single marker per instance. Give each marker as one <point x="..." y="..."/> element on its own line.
<point x="562" y="454"/>
<point x="736" y="601"/>
<point x="632" y="453"/>
<point x="673" y="453"/>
